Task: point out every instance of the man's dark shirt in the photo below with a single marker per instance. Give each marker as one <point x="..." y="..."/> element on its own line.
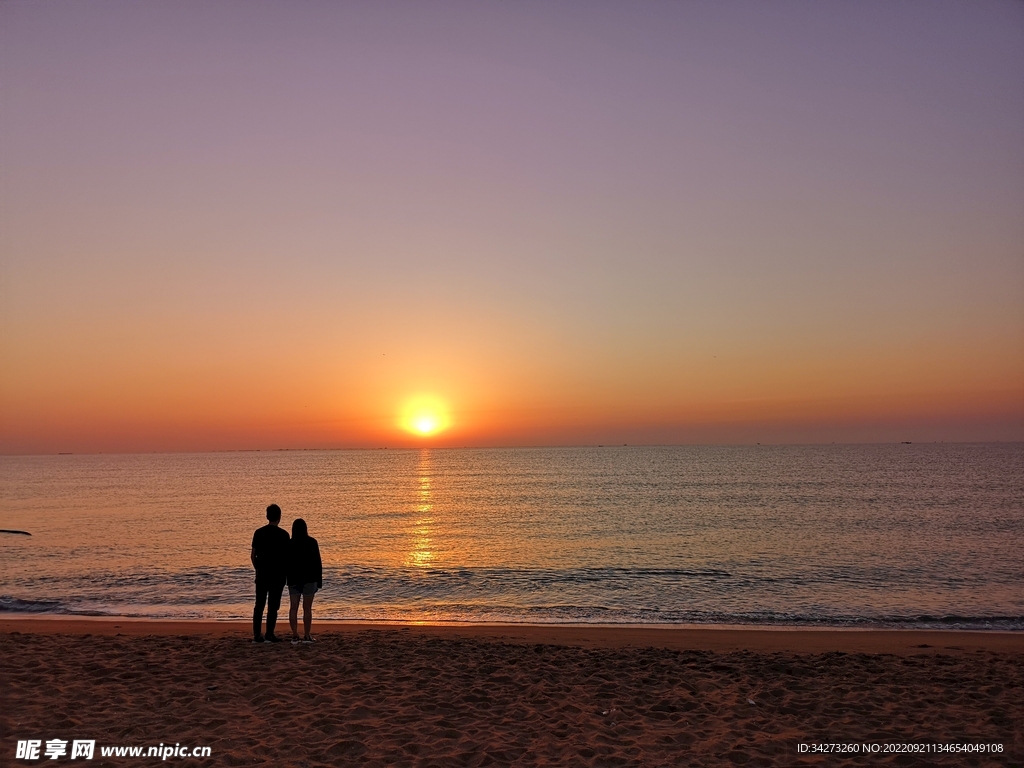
<point x="270" y="543"/>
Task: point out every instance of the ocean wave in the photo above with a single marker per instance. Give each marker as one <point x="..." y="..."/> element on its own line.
<point x="537" y="595"/>
<point x="498" y="611"/>
<point x="9" y="604"/>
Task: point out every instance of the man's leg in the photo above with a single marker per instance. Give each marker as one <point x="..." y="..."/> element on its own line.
<point x="273" y="605"/>
<point x="257" y="612"/>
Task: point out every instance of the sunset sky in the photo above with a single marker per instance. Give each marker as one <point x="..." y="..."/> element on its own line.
<point x="274" y="224"/>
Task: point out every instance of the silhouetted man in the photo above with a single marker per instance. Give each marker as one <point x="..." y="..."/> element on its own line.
<point x="270" y="559"/>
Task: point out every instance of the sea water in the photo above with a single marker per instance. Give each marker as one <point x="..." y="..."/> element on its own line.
<point x="837" y="535"/>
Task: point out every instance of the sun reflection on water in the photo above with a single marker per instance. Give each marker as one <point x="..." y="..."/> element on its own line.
<point x="422" y="552"/>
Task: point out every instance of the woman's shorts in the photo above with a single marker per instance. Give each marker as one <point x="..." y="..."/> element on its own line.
<point x="307" y="589"/>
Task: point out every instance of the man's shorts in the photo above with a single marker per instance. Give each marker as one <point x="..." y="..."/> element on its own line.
<point x="307" y="589"/>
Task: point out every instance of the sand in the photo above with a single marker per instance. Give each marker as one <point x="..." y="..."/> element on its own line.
<point x="477" y="696"/>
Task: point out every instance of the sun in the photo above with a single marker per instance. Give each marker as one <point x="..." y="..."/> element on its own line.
<point x="424" y="415"/>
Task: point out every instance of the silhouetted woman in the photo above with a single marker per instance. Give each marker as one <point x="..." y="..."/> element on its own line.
<point x="305" y="577"/>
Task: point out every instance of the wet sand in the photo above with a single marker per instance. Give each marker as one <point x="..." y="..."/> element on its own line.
<point x="511" y="695"/>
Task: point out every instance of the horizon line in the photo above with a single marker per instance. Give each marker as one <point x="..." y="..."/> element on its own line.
<point x="519" y="447"/>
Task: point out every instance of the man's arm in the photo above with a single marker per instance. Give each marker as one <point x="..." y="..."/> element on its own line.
<point x="252" y="556"/>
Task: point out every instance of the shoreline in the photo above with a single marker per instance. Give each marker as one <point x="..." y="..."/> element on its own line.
<point x="714" y="638"/>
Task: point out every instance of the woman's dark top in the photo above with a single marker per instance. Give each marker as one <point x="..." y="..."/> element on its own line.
<point x="304" y="564"/>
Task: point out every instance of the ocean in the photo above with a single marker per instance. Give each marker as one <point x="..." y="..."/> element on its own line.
<point x="922" y="535"/>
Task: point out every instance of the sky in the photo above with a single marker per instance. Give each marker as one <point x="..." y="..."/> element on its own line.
<point x="267" y="225"/>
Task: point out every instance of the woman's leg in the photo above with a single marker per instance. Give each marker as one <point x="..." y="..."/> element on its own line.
<point x="293" y="614"/>
<point x="307" y="613"/>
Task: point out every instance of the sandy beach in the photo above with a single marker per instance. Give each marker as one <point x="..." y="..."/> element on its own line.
<point x="513" y="695"/>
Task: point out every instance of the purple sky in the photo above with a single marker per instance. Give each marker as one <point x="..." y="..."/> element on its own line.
<point x="664" y="222"/>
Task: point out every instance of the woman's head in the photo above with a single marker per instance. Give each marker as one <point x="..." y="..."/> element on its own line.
<point x="299" y="528"/>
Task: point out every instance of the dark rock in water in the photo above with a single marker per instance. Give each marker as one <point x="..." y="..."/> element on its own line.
<point x="20" y="533"/>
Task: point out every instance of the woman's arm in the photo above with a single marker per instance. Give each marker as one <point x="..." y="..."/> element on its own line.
<point x="319" y="567"/>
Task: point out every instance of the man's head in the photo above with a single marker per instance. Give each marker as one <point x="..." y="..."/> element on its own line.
<point x="274" y="514"/>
